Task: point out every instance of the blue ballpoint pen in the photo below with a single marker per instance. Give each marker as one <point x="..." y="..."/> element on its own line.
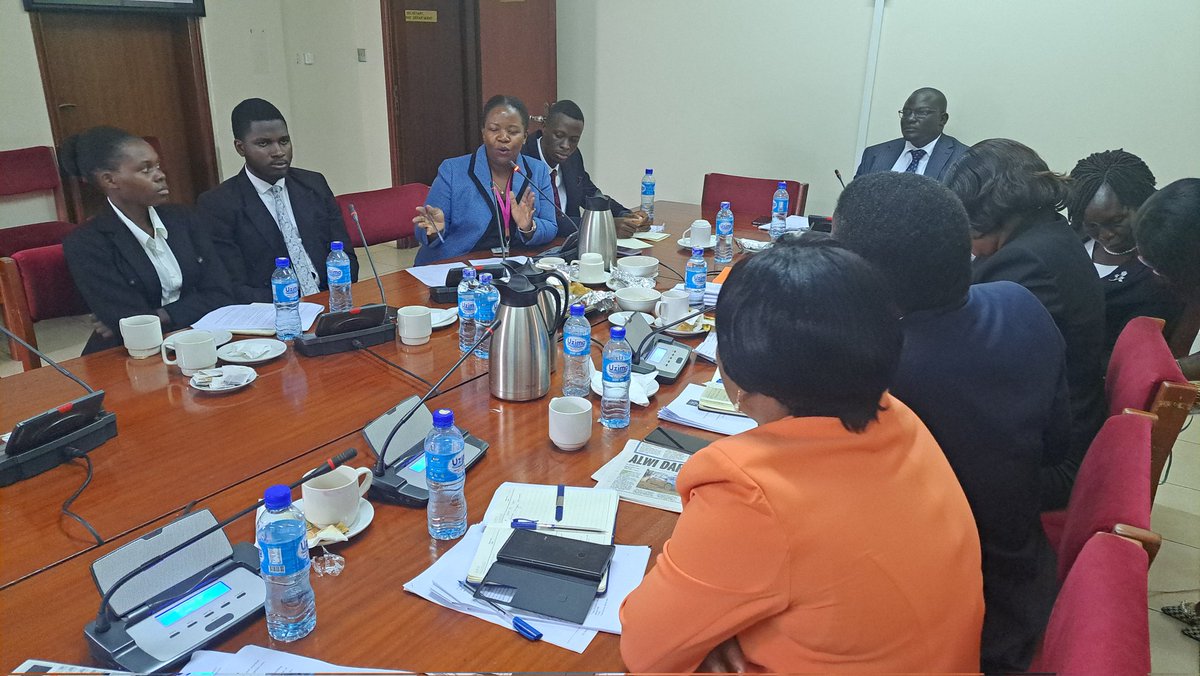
<point x="558" y="502"/>
<point x="521" y="626"/>
<point x="530" y="524"/>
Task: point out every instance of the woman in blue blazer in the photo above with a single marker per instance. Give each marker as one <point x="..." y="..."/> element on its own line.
<point x="479" y="202"/>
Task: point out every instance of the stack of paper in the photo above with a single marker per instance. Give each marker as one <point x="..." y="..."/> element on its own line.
<point x="716" y="399"/>
<point x="711" y="290"/>
<point x="632" y="246"/>
<point x="794" y="223"/>
<point x="254" y="659"/>
<point x="708" y="348"/>
<point x="653" y="235"/>
<point x="685" y="410"/>
<point x="253" y="318"/>
<point x="434" y="275"/>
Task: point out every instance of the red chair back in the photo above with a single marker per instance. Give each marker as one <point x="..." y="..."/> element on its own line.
<point x="1112" y="485"/>
<point x="1140" y="361"/>
<point x="750" y="197"/>
<point x="28" y="170"/>
<point x="385" y="214"/>
<point x="1099" y="623"/>
<point x="33" y="236"/>
<point x="49" y="288"/>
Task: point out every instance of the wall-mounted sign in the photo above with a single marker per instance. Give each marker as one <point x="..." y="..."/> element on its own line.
<point x="420" y="15"/>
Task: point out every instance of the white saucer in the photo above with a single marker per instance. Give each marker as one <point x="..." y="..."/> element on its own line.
<point x="231" y="352"/>
<point x="220" y="337"/>
<point x="596" y="282"/>
<point x="703" y="327"/>
<point x="619" y="318"/>
<point x="686" y="242"/>
<point x="443" y="317"/>
<point x="364" y="517"/>
<point x="222" y="390"/>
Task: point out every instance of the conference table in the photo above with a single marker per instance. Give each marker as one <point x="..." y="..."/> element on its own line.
<point x="178" y="450"/>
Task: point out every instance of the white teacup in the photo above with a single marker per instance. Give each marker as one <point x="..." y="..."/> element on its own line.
<point x="700" y="233"/>
<point x="550" y="263"/>
<point x="195" y="350"/>
<point x="673" y="306"/>
<point x="639" y="266"/>
<point x="415" y="324"/>
<point x="591" y="268"/>
<point x="570" y="422"/>
<point x="637" y="299"/>
<point x="333" y="497"/>
<point x="142" y="335"/>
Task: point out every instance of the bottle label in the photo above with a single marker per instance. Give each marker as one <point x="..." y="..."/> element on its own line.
<point x="485" y="311"/>
<point x="338" y="274"/>
<point x="283" y="558"/>
<point x="697" y="279"/>
<point x="286" y="291"/>
<point x="576" y="345"/>
<point x="444" y="468"/>
<point x="779" y="206"/>
<point x="616" y="370"/>
<point x="466" y="307"/>
<point x="724" y="226"/>
<point x="648" y="189"/>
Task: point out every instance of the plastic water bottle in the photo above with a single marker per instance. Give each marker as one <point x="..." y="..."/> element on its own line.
<point x="486" y="300"/>
<point x="617" y="367"/>
<point x="445" y="474"/>
<point x="779" y="211"/>
<point x="724" y="250"/>
<point x="283" y="560"/>
<point x="466" y="310"/>
<point x="648" y="194"/>
<point x="337" y="271"/>
<point x="577" y="353"/>
<point x="285" y="289"/>
<point x="696" y="277"/>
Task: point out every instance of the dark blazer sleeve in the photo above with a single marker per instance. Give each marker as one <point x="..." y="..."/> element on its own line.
<point x="1014" y="263"/>
<point x="109" y="288"/>
<point x="223" y="213"/>
<point x="205" y="280"/>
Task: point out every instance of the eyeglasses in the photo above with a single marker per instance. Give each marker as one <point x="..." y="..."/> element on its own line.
<point x="918" y="114"/>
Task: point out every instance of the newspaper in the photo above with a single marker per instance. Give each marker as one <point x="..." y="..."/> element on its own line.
<point x="644" y="474"/>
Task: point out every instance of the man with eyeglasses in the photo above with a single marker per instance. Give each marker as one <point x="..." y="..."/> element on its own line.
<point x="923" y="148"/>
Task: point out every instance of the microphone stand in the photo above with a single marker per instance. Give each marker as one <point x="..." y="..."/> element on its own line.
<point x="363" y="238"/>
<point x="573" y="237"/>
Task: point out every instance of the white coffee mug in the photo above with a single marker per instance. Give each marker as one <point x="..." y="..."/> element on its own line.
<point x="416" y="324"/>
<point x="142" y="335"/>
<point x="333" y="497"/>
<point x="672" y="306"/>
<point x="701" y="233"/>
<point x="591" y="268"/>
<point x="194" y="350"/>
<point x="570" y="422"/>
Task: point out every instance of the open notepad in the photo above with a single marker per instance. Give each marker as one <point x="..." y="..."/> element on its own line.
<point x="584" y="507"/>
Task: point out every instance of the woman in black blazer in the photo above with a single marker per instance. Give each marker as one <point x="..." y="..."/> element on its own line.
<point x="139" y="255"/>
<point x="1012" y="200"/>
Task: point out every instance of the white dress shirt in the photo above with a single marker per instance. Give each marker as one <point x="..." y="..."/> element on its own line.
<point x="555" y="177"/>
<point x="170" y="277"/>
<point x="296" y="249"/>
<point x="906" y="156"/>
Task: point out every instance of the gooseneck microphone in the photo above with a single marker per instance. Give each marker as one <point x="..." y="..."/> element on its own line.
<point x="105" y="616"/>
<point x="839" y="178"/>
<point x="637" y="354"/>
<point x="46" y="359"/>
<point x="363" y="238"/>
<point x="573" y="237"/>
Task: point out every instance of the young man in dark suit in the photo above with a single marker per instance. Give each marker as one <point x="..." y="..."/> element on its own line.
<point x="272" y="209"/>
<point x="557" y="144"/>
<point x="923" y="148"/>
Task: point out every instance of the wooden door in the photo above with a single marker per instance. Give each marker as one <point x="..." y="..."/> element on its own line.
<point x="518" y="51"/>
<point x="432" y="64"/>
<point x="141" y="73"/>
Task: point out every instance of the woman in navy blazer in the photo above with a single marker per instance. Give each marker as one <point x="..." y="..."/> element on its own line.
<point x="474" y="194"/>
<point x="112" y="265"/>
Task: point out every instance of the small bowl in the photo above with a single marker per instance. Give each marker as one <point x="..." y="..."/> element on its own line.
<point x="637" y="299"/>
<point x="639" y="266"/>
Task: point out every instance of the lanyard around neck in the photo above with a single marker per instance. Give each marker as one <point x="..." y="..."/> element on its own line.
<point x="505" y="211"/>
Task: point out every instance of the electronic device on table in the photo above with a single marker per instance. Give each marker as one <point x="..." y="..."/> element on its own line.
<point x="663" y="354"/>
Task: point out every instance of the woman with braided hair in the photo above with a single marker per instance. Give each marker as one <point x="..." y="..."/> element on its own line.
<point x="1107" y="188"/>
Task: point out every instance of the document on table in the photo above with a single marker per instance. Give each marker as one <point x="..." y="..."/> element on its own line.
<point x="48" y="667"/>
<point x="254" y="659"/>
<point x="685" y="410"/>
<point x="497" y="260"/>
<point x="652" y="236"/>
<point x="255" y="317"/>
<point x="434" y="275"/>
<point x="792" y="223"/>
<point x="708" y="347"/>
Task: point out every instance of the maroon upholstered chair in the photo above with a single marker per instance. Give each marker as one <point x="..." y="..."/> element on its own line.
<point x="1099" y="623"/>
<point x="750" y="197"/>
<point x="35" y="284"/>
<point x="385" y="214"/>
<point x="30" y="171"/>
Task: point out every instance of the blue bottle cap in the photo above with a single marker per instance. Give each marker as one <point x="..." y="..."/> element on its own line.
<point x="485" y="278"/>
<point x="697" y="252"/>
<point x="335" y="246"/>
<point x="277" y="497"/>
<point x="649" y="172"/>
<point x="617" y="333"/>
<point x="468" y="273"/>
<point x="783" y="185"/>
<point x="578" y="310"/>
<point x="724" y="205"/>
<point x="443" y="417"/>
<point x="283" y="262"/>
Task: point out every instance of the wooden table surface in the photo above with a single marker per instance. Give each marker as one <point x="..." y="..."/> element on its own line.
<point x="223" y="457"/>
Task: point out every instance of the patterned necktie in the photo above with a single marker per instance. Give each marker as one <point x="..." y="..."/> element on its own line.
<point x="309" y="281"/>
<point x="917" y="154"/>
<point x="554" y="187"/>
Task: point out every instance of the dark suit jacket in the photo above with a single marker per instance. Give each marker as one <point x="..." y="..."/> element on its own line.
<point x="577" y="183"/>
<point x="1045" y="257"/>
<point x="116" y="278"/>
<point x="882" y="156"/>
<point x="248" y="239"/>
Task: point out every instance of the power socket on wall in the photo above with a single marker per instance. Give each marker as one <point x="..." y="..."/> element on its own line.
<point x="362" y="55"/>
<point x="305" y="58"/>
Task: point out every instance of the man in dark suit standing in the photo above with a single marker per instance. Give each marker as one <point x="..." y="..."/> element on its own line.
<point x="272" y="209"/>
<point x="557" y="144"/>
<point x="924" y="149"/>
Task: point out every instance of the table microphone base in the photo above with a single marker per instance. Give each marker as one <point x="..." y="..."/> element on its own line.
<point x="310" y="345"/>
<point x="14" y="468"/>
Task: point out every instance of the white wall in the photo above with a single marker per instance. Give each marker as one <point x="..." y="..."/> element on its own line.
<point x="24" y="121"/>
<point x="1068" y="78"/>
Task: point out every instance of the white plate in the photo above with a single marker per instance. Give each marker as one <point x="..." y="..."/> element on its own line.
<point x="230" y="351"/>
<point x="442" y="317"/>
<point x="364" y="517"/>
<point x="225" y="369"/>
<point x="220" y="337"/>
<point x="686" y="242"/>
<point x="619" y="318"/>
<point x="704" y="327"/>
